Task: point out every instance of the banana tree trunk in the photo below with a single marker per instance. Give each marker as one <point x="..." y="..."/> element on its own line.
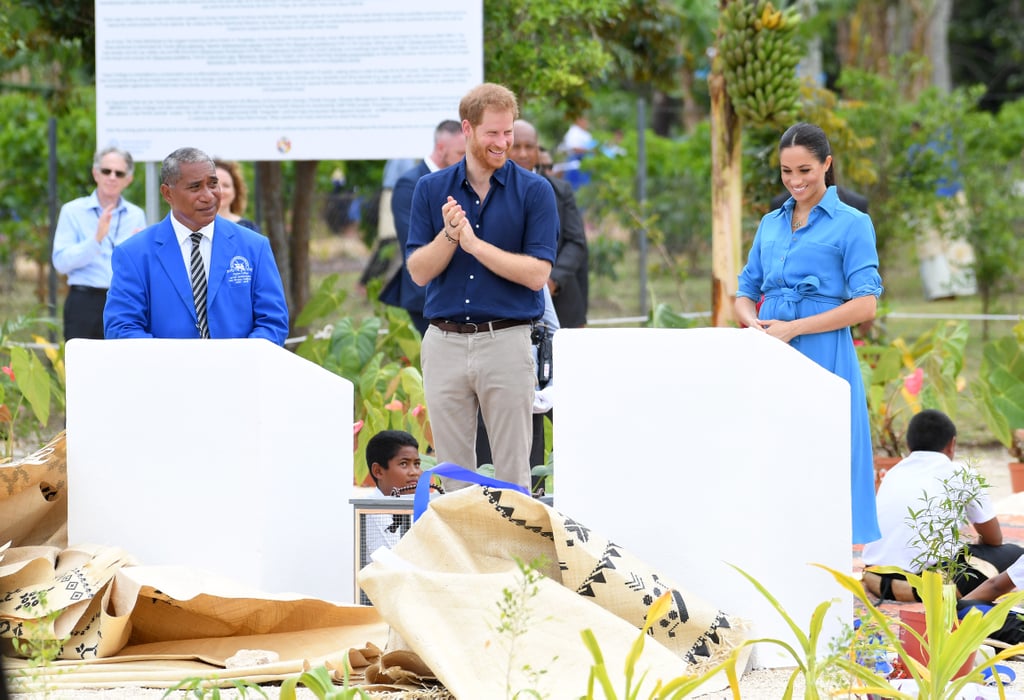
<point x="726" y="199"/>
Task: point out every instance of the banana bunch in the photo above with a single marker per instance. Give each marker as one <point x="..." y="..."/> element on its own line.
<point x="760" y="50"/>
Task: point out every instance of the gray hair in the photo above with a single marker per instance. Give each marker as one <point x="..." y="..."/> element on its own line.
<point x="170" y="170"/>
<point x="128" y="160"/>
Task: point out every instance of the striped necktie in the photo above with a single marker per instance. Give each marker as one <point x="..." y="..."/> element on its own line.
<point x="198" y="275"/>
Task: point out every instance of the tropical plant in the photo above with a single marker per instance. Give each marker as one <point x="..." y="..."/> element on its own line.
<point x="383" y="366"/>
<point x="673" y="689"/>
<point x="902" y="191"/>
<point x="209" y="688"/>
<point x="35" y="641"/>
<point x="26" y="382"/>
<point x="992" y="218"/>
<point x="320" y="682"/>
<point x="664" y="317"/>
<point x="938" y="524"/>
<point x="815" y="671"/>
<point x="23" y="166"/>
<point x="947" y="644"/>
<point x="522" y="28"/>
<point x="901" y="378"/>
<point x="999" y="389"/>
<point x="546" y="473"/>
<point x="850" y="667"/>
<point x="606" y="254"/>
<point x="674" y="214"/>
<point x="516" y="616"/>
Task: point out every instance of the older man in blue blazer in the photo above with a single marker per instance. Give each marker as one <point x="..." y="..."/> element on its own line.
<point x="151" y="294"/>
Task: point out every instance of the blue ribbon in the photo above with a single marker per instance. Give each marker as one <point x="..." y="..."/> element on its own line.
<point x="422" y="498"/>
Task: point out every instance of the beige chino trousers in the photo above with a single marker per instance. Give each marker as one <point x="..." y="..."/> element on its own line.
<point x="489" y="370"/>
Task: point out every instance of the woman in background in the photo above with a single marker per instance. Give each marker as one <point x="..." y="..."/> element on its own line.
<point x="233" y="193"/>
<point x="814" y="259"/>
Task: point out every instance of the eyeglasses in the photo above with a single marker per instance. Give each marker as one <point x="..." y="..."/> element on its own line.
<point x="119" y="173"/>
<point x="545" y="168"/>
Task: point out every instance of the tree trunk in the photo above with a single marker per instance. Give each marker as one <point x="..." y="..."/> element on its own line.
<point x="863" y="40"/>
<point x="879" y="29"/>
<point x="726" y="196"/>
<point x="928" y="22"/>
<point x="938" y="43"/>
<point x="302" y="222"/>
<point x="272" y="208"/>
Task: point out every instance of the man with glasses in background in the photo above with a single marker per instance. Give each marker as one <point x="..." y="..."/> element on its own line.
<point x="88" y="229"/>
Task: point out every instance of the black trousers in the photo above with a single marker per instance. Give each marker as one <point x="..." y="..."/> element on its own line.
<point x="999" y="557"/>
<point x="83" y="312"/>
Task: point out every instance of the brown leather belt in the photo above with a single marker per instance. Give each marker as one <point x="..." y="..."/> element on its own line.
<point x="483" y="327"/>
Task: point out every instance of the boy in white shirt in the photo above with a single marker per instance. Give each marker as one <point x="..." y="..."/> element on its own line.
<point x="393" y="457"/>
<point x="916" y="482"/>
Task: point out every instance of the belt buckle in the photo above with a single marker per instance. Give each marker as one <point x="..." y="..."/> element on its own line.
<point x="476" y="327"/>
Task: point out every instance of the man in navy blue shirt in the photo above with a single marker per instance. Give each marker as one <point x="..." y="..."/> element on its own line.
<point x="482" y="239"/>
<point x="449" y="149"/>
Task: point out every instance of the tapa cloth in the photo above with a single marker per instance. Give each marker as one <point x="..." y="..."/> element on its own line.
<point x="147" y="626"/>
<point x="34" y="497"/>
<point x="444" y="585"/>
<point x="157" y="625"/>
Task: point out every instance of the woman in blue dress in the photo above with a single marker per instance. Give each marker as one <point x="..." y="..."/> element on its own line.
<point x="815" y="263"/>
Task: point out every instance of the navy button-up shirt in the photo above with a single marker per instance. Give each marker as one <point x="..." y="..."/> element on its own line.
<point x="519" y="215"/>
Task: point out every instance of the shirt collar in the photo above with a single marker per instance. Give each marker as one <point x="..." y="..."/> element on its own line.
<point x="183" y="232"/>
<point x="828" y="203"/>
<point x="786" y="208"/>
<point x="94" y="202"/>
<point x="501" y="175"/>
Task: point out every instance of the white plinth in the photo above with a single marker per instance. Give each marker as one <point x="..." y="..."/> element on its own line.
<point x="233" y="456"/>
<point x="697" y="448"/>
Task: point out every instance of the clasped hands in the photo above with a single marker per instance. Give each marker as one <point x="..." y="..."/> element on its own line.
<point x="781" y="330"/>
<point x="456" y="226"/>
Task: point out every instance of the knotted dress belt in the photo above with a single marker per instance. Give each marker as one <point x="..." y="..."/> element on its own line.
<point x="482" y="327"/>
<point x="789" y="297"/>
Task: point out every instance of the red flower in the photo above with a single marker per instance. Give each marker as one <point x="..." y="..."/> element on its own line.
<point x="395" y="405"/>
<point x="356" y="427"/>
<point x="418" y="410"/>
<point x="914" y="381"/>
<point x="8" y="371"/>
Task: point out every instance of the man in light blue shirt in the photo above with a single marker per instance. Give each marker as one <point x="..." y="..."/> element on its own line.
<point x="87" y="231"/>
